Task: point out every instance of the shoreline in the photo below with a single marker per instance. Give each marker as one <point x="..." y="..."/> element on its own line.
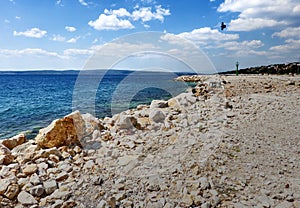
<point x="187" y="151"/>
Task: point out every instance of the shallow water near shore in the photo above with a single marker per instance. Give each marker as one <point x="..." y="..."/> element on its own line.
<point x="31" y="100"/>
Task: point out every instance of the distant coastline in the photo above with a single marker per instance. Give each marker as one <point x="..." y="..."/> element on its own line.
<point x="279" y="69"/>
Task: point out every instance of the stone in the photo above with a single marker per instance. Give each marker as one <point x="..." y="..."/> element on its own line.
<point x="57" y="204"/>
<point x="204" y="184"/>
<point x="66" y="131"/>
<point x="37" y="190"/>
<point x="125" y="160"/>
<point x="6" y="156"/>
<point x="45" y="153"/>
<point x="26" y="199"/>
<point x="4" y="183"/>
<point x="101" y="204"/>
<point x="25" y="152"/>
<point x="12" y="191"/>
<point x="30" y="169"/>
<point x="62" y="176"/>
<point x="157" y="116"/>
<point x="50" y="186"/>
<point x="173" y="103"/>
<point x="285" y="204"/>
<point x="35" y="179"/>
<point x="159" y="104"/>
<point x="187" y="199"/>
<point x="126" y="122"/>
<point x="14" y="141"/>
<point x="89" y="164"/>
<point x="91" y="124"/>
<point x="58" y="194"/>
<point x="65" y="167"/>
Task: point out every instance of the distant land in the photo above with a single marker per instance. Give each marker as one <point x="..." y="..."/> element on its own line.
<point x="279" y="69"/>
<point x="289" y="68"/>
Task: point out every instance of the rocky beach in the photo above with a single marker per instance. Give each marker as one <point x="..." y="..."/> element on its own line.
<point x="232" y="141"/>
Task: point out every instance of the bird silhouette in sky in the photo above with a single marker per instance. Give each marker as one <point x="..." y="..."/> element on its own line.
<point x="223" y="26"/>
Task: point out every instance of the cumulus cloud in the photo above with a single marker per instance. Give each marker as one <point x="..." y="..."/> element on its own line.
<point x="122" y="12"/>
<point x="58" y="38"/>
<point x="121" y="18"/>
<point x="242" y="46"/>
<point x="70" y="28"/>
<point x="110" y="22"/>
<point x="243" y="24"/>
<point x="31" y="33"/>
<point x="82" y="2"/>
<point x="146" y="14"/>
<point x="288" y="32"/>
<point x="75" y="52"/>
<point x="29" y="51"/>
<point x="290" y="45"/>
<point x="73" y="40"/>
<point x="206" y="35"/>
<point x="261" y="13"/>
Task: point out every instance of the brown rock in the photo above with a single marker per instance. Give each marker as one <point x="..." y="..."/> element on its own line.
<point x="5" y="155"/>
<point x="62" y="132"/>
<point x="12" y="191"/>
<point x="25" y="152"/>
<point x="14" y="141"/>
<point x="30" y="169"/>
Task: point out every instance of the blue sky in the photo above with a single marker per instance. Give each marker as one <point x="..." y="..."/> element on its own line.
<point x="63" y="34"/>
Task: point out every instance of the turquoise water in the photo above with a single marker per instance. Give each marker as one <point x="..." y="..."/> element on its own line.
<point x="31" y="100"/>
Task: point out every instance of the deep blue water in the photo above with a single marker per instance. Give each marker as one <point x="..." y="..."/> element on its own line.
<point x="31" y="100"/>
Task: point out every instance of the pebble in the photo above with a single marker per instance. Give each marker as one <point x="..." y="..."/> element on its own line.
<point x="26" y="199"/>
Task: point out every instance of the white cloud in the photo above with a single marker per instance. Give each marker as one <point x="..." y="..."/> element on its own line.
<point x="6" y="21"/>
<point x="32" y="33"/>
<point x="288" y="32"/>
<point x="122" y="12"/>
<point x="121" y="18"/>
<point x="243" y="24"/>
<point x="18" y="17"/>
<point x="257" y="14"/>
<point x="70" y="28"/>
<point x="73" y="40"/>
<point x="58" y="38"/>
<point x="242" y="46"/>
<point x="75" y="52"/>
<point x="146" y="14"/>
<point x="82" y="2"/>
<point x="29" y="51"/>
<point x="290" y="45"/>
<point x="110" y="22"/>
<point x="206" y="35"/>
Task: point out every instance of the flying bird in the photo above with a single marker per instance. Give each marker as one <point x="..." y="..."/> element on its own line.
<point x="223" y="26"/>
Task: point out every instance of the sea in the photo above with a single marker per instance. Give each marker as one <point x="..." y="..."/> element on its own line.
<point x="31" y="100"/>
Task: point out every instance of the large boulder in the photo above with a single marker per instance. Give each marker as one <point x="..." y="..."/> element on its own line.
<point x="14" y="141"/>
<point x="5" y="155"/>
<point x="66" y="131"/>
